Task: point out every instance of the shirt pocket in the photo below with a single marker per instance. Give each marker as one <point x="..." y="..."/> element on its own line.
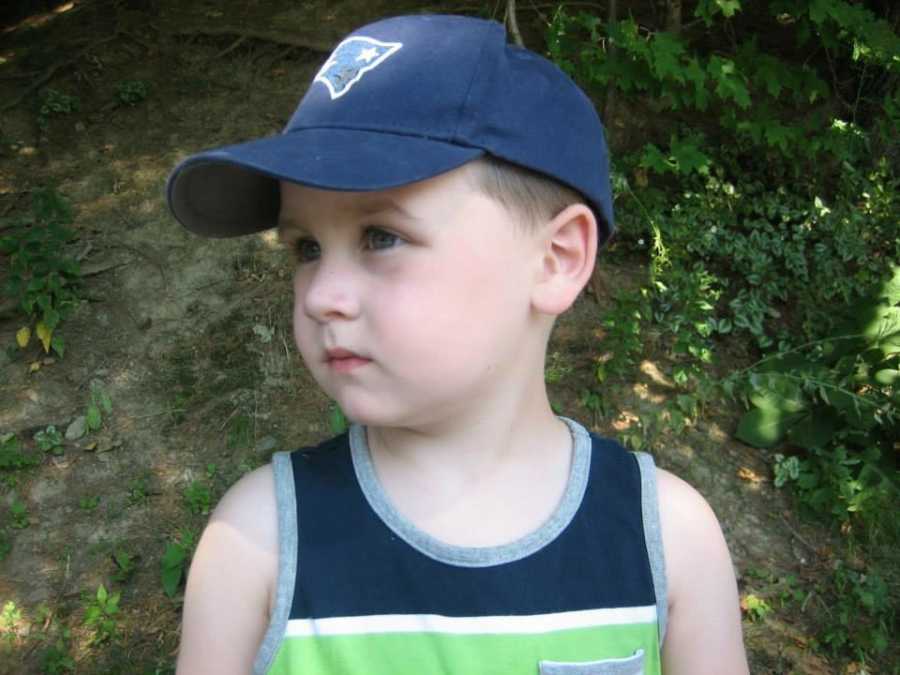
<point x="630" y="665"/>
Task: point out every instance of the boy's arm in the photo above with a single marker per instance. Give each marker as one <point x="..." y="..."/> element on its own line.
<point x="703" y="635"/>
<point x="226" y="602"/>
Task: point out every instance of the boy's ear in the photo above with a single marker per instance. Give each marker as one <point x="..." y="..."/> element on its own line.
<point x="568" y="250"/>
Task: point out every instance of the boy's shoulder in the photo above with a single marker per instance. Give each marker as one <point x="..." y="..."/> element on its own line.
<point x="249" y="512"/>
<point x="685" y="516"/>
<point x="702" y="593"/>
<point x="231" y="581"/>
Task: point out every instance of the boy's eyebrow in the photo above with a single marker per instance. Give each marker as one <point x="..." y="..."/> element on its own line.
<point x="380" y="204"/>
<point x="363" y="208"/>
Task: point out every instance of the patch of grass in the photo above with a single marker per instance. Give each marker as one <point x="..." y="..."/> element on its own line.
<point x="49" y="440"/>
<point x="56" y="658"/>
<point x="862" y="619"/>
<point x="53" y="103"/>
<point x="198" y="498"/>
<point x="132" y="92"/>
<point x="240" y="432"/>
<point x="101" y="615"/>
<point x="99" y="405"/>
<point x="198" y="371"/>
<point x="18" y="513"/>
<point x="42" y="279"/>
<point x="89" y="503"/>
<point x="10" y="617"/>
<point x="755" y="607"/>
<point x="5" y="544"/>
<point x="138" y="490"/>
<point x="556" y="369"/>
<point x="126" y="564"/>
<point x="11" y="455"/>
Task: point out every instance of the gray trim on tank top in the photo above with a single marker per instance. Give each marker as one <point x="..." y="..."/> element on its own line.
<point x="479" y="556"/>
<point x="286" y="499"/>
<point x="653" y="538"/>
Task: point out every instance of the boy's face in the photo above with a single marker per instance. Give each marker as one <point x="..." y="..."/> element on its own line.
<point x="411" y="305"/>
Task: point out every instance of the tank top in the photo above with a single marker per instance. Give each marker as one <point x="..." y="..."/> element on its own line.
<point x="361" y="590"/>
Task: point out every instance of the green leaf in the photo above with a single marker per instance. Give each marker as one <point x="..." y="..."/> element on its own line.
<point x="654" y="160"/>
<point x="776" y="393"/>
<point x="174" y="556"/>
<point x="92" y="417"/>
<point x="688" y="156"/>
<point x="58" y="345"/>
<point x="173" y="567"/>
<point x="818" y="10"/>
<point x="729" y="82"/>
<point x="887" y="377"/>
<point x="891" y="289"/>
<point x="101" y="594"/>
<point x="336" y="420"/>
<point x="666" y="51"/>
<point x="707" y="9"/>
<point x="763" y="428"/>
<point x="812" y="431"/>
<point x="729" y="7"/>
<point x="780" y="136"/>
<point x="171" y="579"/>
<point x="771" y="72"/>
<point x="857" y="411"/>
<point x="695" y="74"/>
<point x="51" y="317"/>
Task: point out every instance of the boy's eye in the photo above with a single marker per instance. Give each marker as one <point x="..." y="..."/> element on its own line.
<point x="306" y="250"/>
<point x="377" y="239"/>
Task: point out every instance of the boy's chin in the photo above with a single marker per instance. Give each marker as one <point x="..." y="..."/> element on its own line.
<point x="379" y="416"/>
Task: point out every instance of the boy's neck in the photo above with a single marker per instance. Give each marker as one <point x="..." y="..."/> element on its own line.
<point x="477" y="436"/>
<point x="502" y="468"/>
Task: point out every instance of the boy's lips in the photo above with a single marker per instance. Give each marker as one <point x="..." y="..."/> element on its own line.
<point x="343" y="360"/>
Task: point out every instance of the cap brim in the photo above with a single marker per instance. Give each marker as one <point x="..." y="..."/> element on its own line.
<point x="234" y="190"/>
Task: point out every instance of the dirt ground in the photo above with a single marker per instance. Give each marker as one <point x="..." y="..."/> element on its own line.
<point x="191" y="337"/>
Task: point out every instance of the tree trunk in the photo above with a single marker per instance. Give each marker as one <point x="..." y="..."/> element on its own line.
<point x="513" y="22"/>
<point x="673" y="16"/>
<point x="610" y="101"/>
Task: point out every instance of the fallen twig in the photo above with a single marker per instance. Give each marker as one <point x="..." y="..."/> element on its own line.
<point x="234" y="45"/>
<point x="99" y="268"/>
<point x="812" y="549"/>
<point x="311" y="43"/>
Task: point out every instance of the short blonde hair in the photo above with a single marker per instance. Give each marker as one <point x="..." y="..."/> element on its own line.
<point x="530" y="195"/>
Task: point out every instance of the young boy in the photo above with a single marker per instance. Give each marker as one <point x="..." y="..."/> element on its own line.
<point x="444" y="195"/>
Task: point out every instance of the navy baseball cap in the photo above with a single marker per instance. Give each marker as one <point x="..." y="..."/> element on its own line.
<point x="399" y="101"/>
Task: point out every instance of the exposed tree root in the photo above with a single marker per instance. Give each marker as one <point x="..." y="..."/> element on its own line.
<point x="51" y="71"/>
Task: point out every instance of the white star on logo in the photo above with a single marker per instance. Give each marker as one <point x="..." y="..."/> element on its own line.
<point x="367" y="54"/>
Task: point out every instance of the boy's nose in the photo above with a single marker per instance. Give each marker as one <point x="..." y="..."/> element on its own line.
<point x="329" y="293"/>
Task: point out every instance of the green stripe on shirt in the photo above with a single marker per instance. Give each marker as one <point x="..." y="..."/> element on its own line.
<point x="433" y="652"/>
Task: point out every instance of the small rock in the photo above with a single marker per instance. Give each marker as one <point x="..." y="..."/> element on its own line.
<point x="107" y="444"/>
<point x="266" y="444"/>
<point x="76" y="429"/>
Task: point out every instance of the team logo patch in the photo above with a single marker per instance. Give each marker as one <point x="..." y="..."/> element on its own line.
<point x="352" y="59"/>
